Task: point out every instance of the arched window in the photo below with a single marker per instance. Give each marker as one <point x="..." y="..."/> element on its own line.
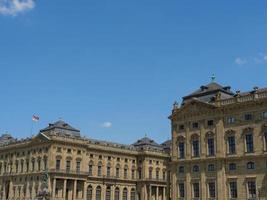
<point x="98" y="193"/>
<point x="99" y="169"/>
<point x="89" y="192"/>
<point x="150" y="172"/>
<point x="210" y="144"/>
<point x="132" y="194"/>
<point x="118" y="171"/>
<point x="195" y="145"/>
<point x="108" y="197"/>
<point x="117" y="194"/>
<point x="124" y="194"/>
<point x="125" y="171"/>
<point x="90" y="168"/>
<point x="181" y="147"/>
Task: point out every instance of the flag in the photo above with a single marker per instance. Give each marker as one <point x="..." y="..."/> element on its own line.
<point x="35" y="118"/>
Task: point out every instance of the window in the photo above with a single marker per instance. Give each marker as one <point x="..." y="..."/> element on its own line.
<point x="249" y="143"/>
<point x="140" y="173"/>
<point x="117" y="194"/>
<point x="163" y="175"/>
<point x="79" y="152"/>
<point x="109" y="157"/>
<point x="150" y="173"/>
<point x="100" y="157"/>
<point x="68" y="165"/>
<point x="125" y="173"/>
<point x="133" y="174"/>
<point x="132" y="194"/>
<point x="126" y="160"/>
<point x="211" y="146"/>
<point x="117" y="172"/>
<point x="68" y="150"/>
<point x="231" y="145"/>
<point x="210" y="123"/>
<point x="181" y="190"/>
<point x="99" y="170"/>
<point x="181" y="127"/>
<point x="89" y="193"/>
<point x="33" y="165"/>
<point x="124" y="194"/>
<point x="195" y="125"/>
<point x="108" y="171"/>
<point x="248" y="117"/>
<point x="181" y="169"/>
<point x="251" y="187"/>
<point x="150" y="161"/>
<point x="157" y="174"/>
<point x="195" y="147"/>
<point x="196" y="190"/>
<point x="195" y="168"/>
<point x="250" y="165"/>
<point x="232" y="166"/>
<point x="265" y="140"/>
<point x="21" y="166"/>
<point x="211" y="167"/>
<point x="90" y="170"/>
<point x="58" y="149"/>
<point x="108" y="191"/>
<point x="264" y="114"/>
<point x="212" y="189"/>
<point x="230" y="120"/>
<point x="78" y="166"/>
<point x="233" y="189"/>
<point x="57" y="164"/>
<point x="98" y="193"/>
<point x="181" y="150"/>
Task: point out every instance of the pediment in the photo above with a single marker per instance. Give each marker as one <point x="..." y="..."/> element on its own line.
<point x="40" y="138"/>
<point x="196" y="106"/>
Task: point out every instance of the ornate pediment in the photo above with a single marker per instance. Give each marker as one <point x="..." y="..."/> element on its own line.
<point x="196" y="106"/>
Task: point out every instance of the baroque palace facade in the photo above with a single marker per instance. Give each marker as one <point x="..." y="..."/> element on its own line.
<point x="78" y="168"/>
<point x="219" y="145"/>
<point x="218" y="151"/>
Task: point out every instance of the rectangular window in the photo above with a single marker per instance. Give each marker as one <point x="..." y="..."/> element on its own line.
<point x="195" y="148"/>
<point x="232" y="166"/>
<point x="233" y="189"/>
<point x="133" y="174"/>
<point x="125" y="173"/>
<point x="150" y="174"/>
<point x="231" y="145"/>
<point x="195" y="125"/>
<point x="211" y="146"/>
<point x="181" y="127"/>
<point x="78" y="166"/>
<point x="230" y="120"/>
<point x="68" y="165"/>
<point x="117" y="172"/>
<point x="210" y="123"/>
<point x="181" y="150"/>
<point x="212" y="189"/>
<point x="251" y="185"/>
<point x="264" y="114"/>
<point x="265" y="140"/>
<point x="249" y="143"/>
<point x="157" y="174"/>
<point x="196" y="190"/>
<point x="108" y="171"/>
<point x="90" y="170"/>
<point x="248" y="117"/>
<point x="99" y="171"/>
<point x="57" y="164"/>
<point x="181" y="190"/>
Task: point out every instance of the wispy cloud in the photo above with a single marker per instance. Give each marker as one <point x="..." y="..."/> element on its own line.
<point x="261" y="58"/>
<point x="15" y="7"/>
<point x="240" y="61"/>
<point x="106" y="124"/>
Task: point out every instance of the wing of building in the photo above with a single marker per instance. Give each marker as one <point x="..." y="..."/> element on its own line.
<point x="61" y="165"/>
<point x="219" y="145"/>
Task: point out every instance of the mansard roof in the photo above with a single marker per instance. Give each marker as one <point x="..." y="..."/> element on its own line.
<point x="63" y="128"/>
<point x="145" y="141"/>
<point x="207" y="92"/>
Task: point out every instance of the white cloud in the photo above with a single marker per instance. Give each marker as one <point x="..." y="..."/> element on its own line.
<point x="262" y="58"/>
<point x="106" y="124"/>
<point x="240" y="61"/>
<point x="14" y="7"/>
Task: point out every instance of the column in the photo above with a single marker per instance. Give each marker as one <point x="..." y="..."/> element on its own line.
<point x="11" y="190"/>
<point x="27" y="190"/>
<point x="54" y="188"/>
<point x="103" y="193"/>
<point x="129" y="193"/>
<point x="64" y="189"/>
<point x="157" y="193"/>
<point x="164" y="193"/>
<point x="84" y="190"/>
<point x="112" y="192"/>
<point x="74" y="189"/>
<point x="33" y="190"/>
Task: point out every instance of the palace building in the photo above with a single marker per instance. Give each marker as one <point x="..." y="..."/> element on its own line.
<point x="79" y="168"/>
<point x="219" y="145"/>
<point x="218" y="151"/>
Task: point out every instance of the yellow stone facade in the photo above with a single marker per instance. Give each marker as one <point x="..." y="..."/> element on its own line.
<point x="219" y="148"/>
<point x="82" y="169"/>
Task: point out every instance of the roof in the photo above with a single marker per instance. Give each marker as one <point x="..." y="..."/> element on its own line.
<point x="6" y="139"/>
<point x="63" y="128"/>
<point x="146" y="142"/>
<point x="207" y="92"/>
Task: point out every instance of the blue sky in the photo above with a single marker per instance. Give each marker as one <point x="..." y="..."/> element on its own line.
<point x="114" y="68"/>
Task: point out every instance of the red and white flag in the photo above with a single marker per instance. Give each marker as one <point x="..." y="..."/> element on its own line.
<point x="35" y="118"/>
